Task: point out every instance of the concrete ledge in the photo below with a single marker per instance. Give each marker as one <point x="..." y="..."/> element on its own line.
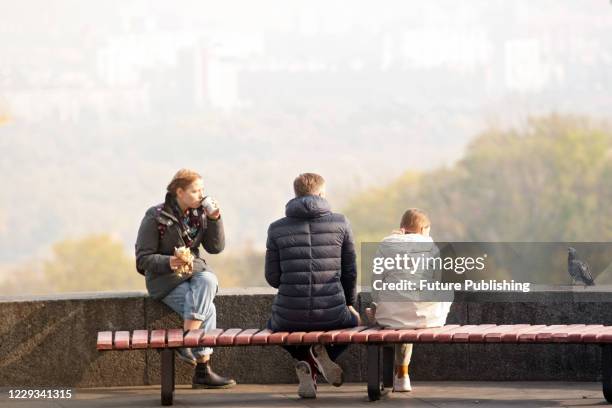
<point x="50" y="341"/>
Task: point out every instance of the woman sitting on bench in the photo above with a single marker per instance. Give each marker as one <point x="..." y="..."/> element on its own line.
<point x="168" y="255"/>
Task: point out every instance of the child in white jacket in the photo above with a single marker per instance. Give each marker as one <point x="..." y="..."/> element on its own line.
<point x="413" y="236"/>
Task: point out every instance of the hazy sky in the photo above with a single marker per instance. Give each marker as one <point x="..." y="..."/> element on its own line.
<point x="255" y="92"/>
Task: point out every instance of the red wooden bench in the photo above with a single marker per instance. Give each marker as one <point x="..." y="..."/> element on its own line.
<point x="378" y="342"/>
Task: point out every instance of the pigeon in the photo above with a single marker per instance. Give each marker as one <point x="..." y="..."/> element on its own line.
<point x="577" y="269"/>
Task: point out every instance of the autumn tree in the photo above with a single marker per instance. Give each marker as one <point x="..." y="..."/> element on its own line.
<point x="93" y="263"/>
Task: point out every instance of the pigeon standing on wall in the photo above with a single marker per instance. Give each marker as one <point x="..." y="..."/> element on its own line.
<point x="578" y="270"/>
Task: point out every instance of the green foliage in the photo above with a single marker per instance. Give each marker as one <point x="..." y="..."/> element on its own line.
<point x="240" y="267"/>
<point x="96" y="262"/>
<point x="547" y="182"/>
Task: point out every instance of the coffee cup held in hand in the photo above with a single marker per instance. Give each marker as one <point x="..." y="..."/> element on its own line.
<point x="210" y="205"/>
<point x="185" y="255"/>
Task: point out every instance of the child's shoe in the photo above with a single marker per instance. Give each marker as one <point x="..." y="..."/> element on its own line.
<point x="401" y="384"/>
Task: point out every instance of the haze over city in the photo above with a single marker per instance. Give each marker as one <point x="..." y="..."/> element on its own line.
<point x="101" y="102"/>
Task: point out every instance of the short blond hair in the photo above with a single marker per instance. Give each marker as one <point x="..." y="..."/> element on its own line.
<point x="182" y="179"/>
<point x="414" y="220"/>
<point x="307" y="184"/>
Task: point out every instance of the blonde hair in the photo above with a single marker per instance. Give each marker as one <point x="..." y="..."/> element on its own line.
<point x="307" y="183"/>
<point x="182" y="179"/>
<point x="414" y="220"/>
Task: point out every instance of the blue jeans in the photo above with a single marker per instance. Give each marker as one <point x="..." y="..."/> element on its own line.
<point x="193" y="300"/>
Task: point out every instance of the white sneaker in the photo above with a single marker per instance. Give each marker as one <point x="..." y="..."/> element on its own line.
<point x="401" y="384"/>
<point x="331" y="371"/>
<point x="308" y="384"/>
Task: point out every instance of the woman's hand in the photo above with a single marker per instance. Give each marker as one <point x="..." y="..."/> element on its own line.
<point x="214" y="215"/>
<point x="176" y="262"/>
<point x="354" y="312"/>
<point x="212" y="208"/>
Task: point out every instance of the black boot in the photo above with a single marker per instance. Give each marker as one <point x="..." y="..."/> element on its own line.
<point x="205" y="377"/>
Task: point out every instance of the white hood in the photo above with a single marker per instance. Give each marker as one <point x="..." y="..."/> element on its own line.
<point x="409" y="314"/>
<point x="407" y="238"/>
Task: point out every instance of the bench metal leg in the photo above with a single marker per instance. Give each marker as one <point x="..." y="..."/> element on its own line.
<point x="376" y="388"/>
<point x="388" y="360"/>
<point x="374" y="384"/>
<point x="606" y="371"/>
<point x="167" y="376"/>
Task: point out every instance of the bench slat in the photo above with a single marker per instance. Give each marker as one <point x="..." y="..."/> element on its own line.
<point x="396" y="335"/>
<point x="227" y="338"/>
<point x="295" y="338"/>
<point x="192" y="338"/>
<point x="447" y="336"/>
<point x="480" y="335"/>
<point x="261" y="337"/>
<point x="596" y="335"/>
<point x="122" y="340"/>
<point x="575" y="335"/>
<point x="496" y="333"/>
<point x="210" y="338"/>
<point x="530" y="337"/>
<point x="105" y="340"/>
<point x="414" y="335"/>
<point x="277" y="337"/>
<point x="513" y="336"/>
<point x="591" y="335"/>
<point x="605" y="336"/>
<point x="421" y="335"/>
<point x="341" y="336"/>
<point x="393" y="335"/>
<point x="545" y="336"/>
<point x="362" y="336"/>
<point x="381" y="335"/>
<point x="312" y="337"/>
<point x="175" y="338"/>
<point x="330" y="335"/>
<point x="467" y="336"/>
<point x="140" y="339"/>
<point x="245" y="337"/>
<point x="433" y="332"/>
<point x="158" y="338"/>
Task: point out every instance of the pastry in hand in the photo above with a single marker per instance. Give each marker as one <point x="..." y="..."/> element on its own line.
<point x="184" y="254"/>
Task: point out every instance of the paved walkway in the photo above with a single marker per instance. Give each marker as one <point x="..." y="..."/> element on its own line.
<point x="425" y="394"/>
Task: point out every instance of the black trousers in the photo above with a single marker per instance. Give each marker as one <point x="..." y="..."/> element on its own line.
<point x="300" y="353"/>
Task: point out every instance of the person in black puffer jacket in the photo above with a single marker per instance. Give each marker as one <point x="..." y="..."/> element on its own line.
<point x="310" y="259"/>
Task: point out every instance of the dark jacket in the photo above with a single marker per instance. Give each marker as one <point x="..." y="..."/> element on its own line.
<point x="159" y="234"/>
<point x="310" y="258"/>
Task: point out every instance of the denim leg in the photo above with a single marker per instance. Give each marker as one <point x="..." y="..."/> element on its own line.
<point x="176" y="298"/>
<point x="202" y="290"/>
<point x="199" y="305"/>
<point x="193" y="300"/>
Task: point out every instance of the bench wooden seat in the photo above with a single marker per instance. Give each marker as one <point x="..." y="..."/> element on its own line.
<point x="377" y="340"/>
